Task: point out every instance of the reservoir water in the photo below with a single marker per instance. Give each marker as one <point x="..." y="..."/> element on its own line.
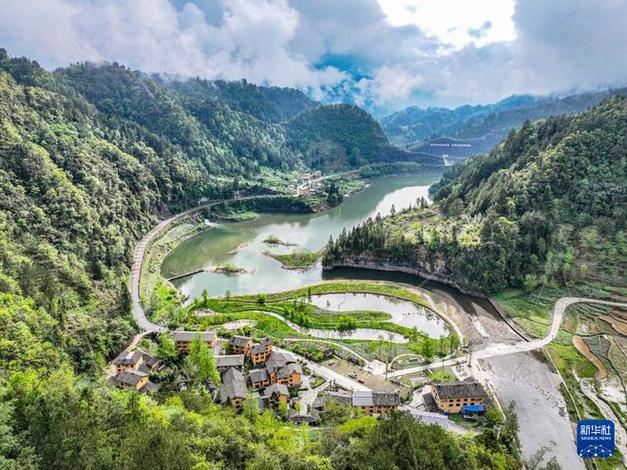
<point x="242" y="243"/>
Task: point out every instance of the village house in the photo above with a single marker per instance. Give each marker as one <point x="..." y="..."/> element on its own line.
<point x="259" y="378"/>
<point x="278" y="392"/>
<point x="234" y="360"/>
<point x="276" y="361"/>
<point x="259" y="352"/>
<point x="240" y="344"/>
<point x="132" y="379"/>
<point x="451" y="397"/>
<point x="183" y="339"/>
<point x="128" y="360"/>
<point x="233" y="390"/>
<point x="150" y="363"/>
<point x="371" y="402"/>
<point x="299" y="417"/>
<point x="289" y="375"/>
<point x="340" y="397"/>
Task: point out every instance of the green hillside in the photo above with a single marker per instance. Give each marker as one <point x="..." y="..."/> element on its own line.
<point x="90" y="158"/>
<point x="547" y="205"/>
<point x="334" y="136"/>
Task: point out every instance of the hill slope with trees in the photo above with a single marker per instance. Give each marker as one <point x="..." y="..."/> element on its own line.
<point x="89" y="157"/>
<point x="547" y="205"/>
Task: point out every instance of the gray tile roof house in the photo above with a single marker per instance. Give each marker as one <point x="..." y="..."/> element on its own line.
<point x="288" y="370"/>
<point x="233" y="360"/>
<point x="450" y="390"/>
<point x="239" y="341"/>
<point x="259" y="375"/>
<point x="276" y="389"/>
<point x="277" y="360"/>
<point x="340" y="397"/>
<point x="257" y="349"/>
<point x="188" y="336"/>
<point x="150" y="363"/>
<point x="233" y="385"/>
<point x="128" y="358"/>
<point x="129" y="377"/>
<point x="371" y="398"/>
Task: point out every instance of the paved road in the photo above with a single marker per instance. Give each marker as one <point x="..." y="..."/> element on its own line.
<point x="500" y="349"/>
<point x="328" y="374"/>
<point x="140" y="251"/>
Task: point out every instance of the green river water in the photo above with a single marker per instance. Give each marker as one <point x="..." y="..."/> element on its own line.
<point x="310" y="231"/>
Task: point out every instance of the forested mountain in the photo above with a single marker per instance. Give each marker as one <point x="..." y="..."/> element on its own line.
<point x="334" y="135"/>
<point x="549" y="204"/>
<point x="273" y="104"/>
<point x="89" y="156"/>
<point x="483" y="126"/>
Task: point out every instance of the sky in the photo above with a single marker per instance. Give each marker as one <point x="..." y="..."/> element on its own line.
<point x="381" y="54"/>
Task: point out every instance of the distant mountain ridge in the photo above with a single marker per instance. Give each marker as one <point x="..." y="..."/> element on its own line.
<point x="482" y="126"/>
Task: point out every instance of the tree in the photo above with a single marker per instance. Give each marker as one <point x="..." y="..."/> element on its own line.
<point x="427" y="348"/>
<point x="453" y="341"/>
<point x="166" y="348"/>
<point x="201" y="357"/>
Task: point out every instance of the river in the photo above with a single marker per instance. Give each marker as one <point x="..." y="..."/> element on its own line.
<point x="310" y="231"/>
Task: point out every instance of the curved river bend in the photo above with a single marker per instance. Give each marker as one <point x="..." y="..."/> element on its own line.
<point x="310" y="231"/>
<point x="241" y="243"/>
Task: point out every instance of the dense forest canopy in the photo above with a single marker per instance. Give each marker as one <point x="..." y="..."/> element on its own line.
<point x="547" y="204"/>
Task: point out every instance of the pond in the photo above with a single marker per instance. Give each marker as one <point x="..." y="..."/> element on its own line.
<point x="403" y="312"/>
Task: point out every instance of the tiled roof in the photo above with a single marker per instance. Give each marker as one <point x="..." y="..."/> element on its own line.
<point x="288" y="370"/>
<point x="276" y="360"/>
<point x="240" y="341"/>
<point x="258" y="349"/>
<point x="343" y="398"/>
<point x="188" y="336"/>
<point x="128" y="358"/>
<point x="130" y="377"/>
<point x="233" y="385"/>
<point x="259" y="375"/>
<point x="459" y="390"/>
<point x="370" y="398"/>
<point x="278" y="389"/>
<point x="233" y="360"/>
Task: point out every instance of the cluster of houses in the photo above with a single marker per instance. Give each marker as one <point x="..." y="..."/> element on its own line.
<point x="271" y="376"/>
<point x="132" y="369"/>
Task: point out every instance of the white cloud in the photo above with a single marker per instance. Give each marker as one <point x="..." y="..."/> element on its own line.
<point x="252" y="40"/>
<point x="387" y="52"/>
<point x="453" y="20"/>
<point x="390" y="84"/>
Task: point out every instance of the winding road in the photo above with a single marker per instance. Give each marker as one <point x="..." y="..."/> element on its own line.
<point x="500" y="349"/>
<point x="146" y="326"/>
<point x="139" y="315"/>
